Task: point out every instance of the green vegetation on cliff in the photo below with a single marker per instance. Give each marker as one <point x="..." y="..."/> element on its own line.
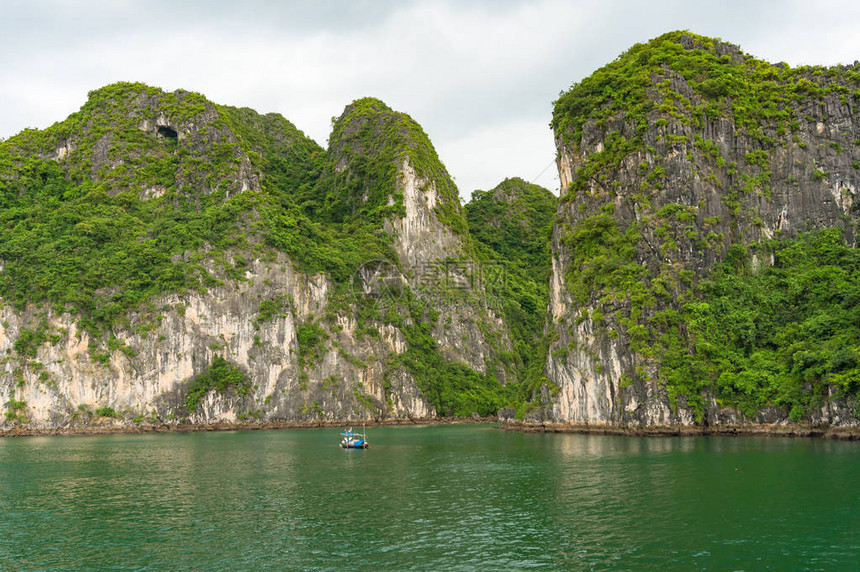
<point x="686" y="153"/>
<point x="727" y="82"/>
<point x="368" y="145"/>
<point x="786" y="335"/>
<point x="688" y="79"/>
<point x="513" y="222"/>
<point x="103" y="211"/>
<point x="221" y="377"/>
<point x="336" y="222"/>
<point x="451" y="387"/>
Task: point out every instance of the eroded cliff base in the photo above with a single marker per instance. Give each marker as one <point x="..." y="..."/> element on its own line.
<point x="753" y="430"/>
<point x="125" y="429"/>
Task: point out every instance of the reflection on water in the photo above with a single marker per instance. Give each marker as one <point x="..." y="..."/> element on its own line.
<point x="428" y="498"/>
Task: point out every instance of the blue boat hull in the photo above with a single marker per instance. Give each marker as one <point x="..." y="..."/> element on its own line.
<point x="354" y="445"/>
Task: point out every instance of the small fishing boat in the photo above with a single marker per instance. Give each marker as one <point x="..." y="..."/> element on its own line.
<point x="353" y="439"/>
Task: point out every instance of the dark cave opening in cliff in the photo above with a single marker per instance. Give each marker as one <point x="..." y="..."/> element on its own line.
<point x="167" y="132"/>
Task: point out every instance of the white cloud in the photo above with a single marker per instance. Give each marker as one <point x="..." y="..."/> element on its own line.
<point x="523" y="149"/>
<point x="478" y="76"/>
<point x="807" y="33"/>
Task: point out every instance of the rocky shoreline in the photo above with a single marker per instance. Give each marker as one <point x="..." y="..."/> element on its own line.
<point x="849" y="433"/>
<point x="120" y="429"/>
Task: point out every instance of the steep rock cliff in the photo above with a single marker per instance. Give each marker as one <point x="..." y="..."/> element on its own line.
<point x="168" y="260"/>
<point x="681" y="152"/>
<point x="511" y="225"/>
<point x="383" y="172"/>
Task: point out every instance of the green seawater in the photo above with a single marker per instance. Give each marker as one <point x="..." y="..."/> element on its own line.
<point x="427" y="498"/>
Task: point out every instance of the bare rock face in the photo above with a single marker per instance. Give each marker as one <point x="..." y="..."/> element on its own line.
<point x="420" y="236"/>
<point x="667" y="182"/>
<point x="160" y="352"/>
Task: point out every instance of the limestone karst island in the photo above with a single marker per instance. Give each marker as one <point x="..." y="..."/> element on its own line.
<point x="169" y="262"/>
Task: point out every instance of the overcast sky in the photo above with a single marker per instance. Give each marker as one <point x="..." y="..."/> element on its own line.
<point x="480" y="77"/>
